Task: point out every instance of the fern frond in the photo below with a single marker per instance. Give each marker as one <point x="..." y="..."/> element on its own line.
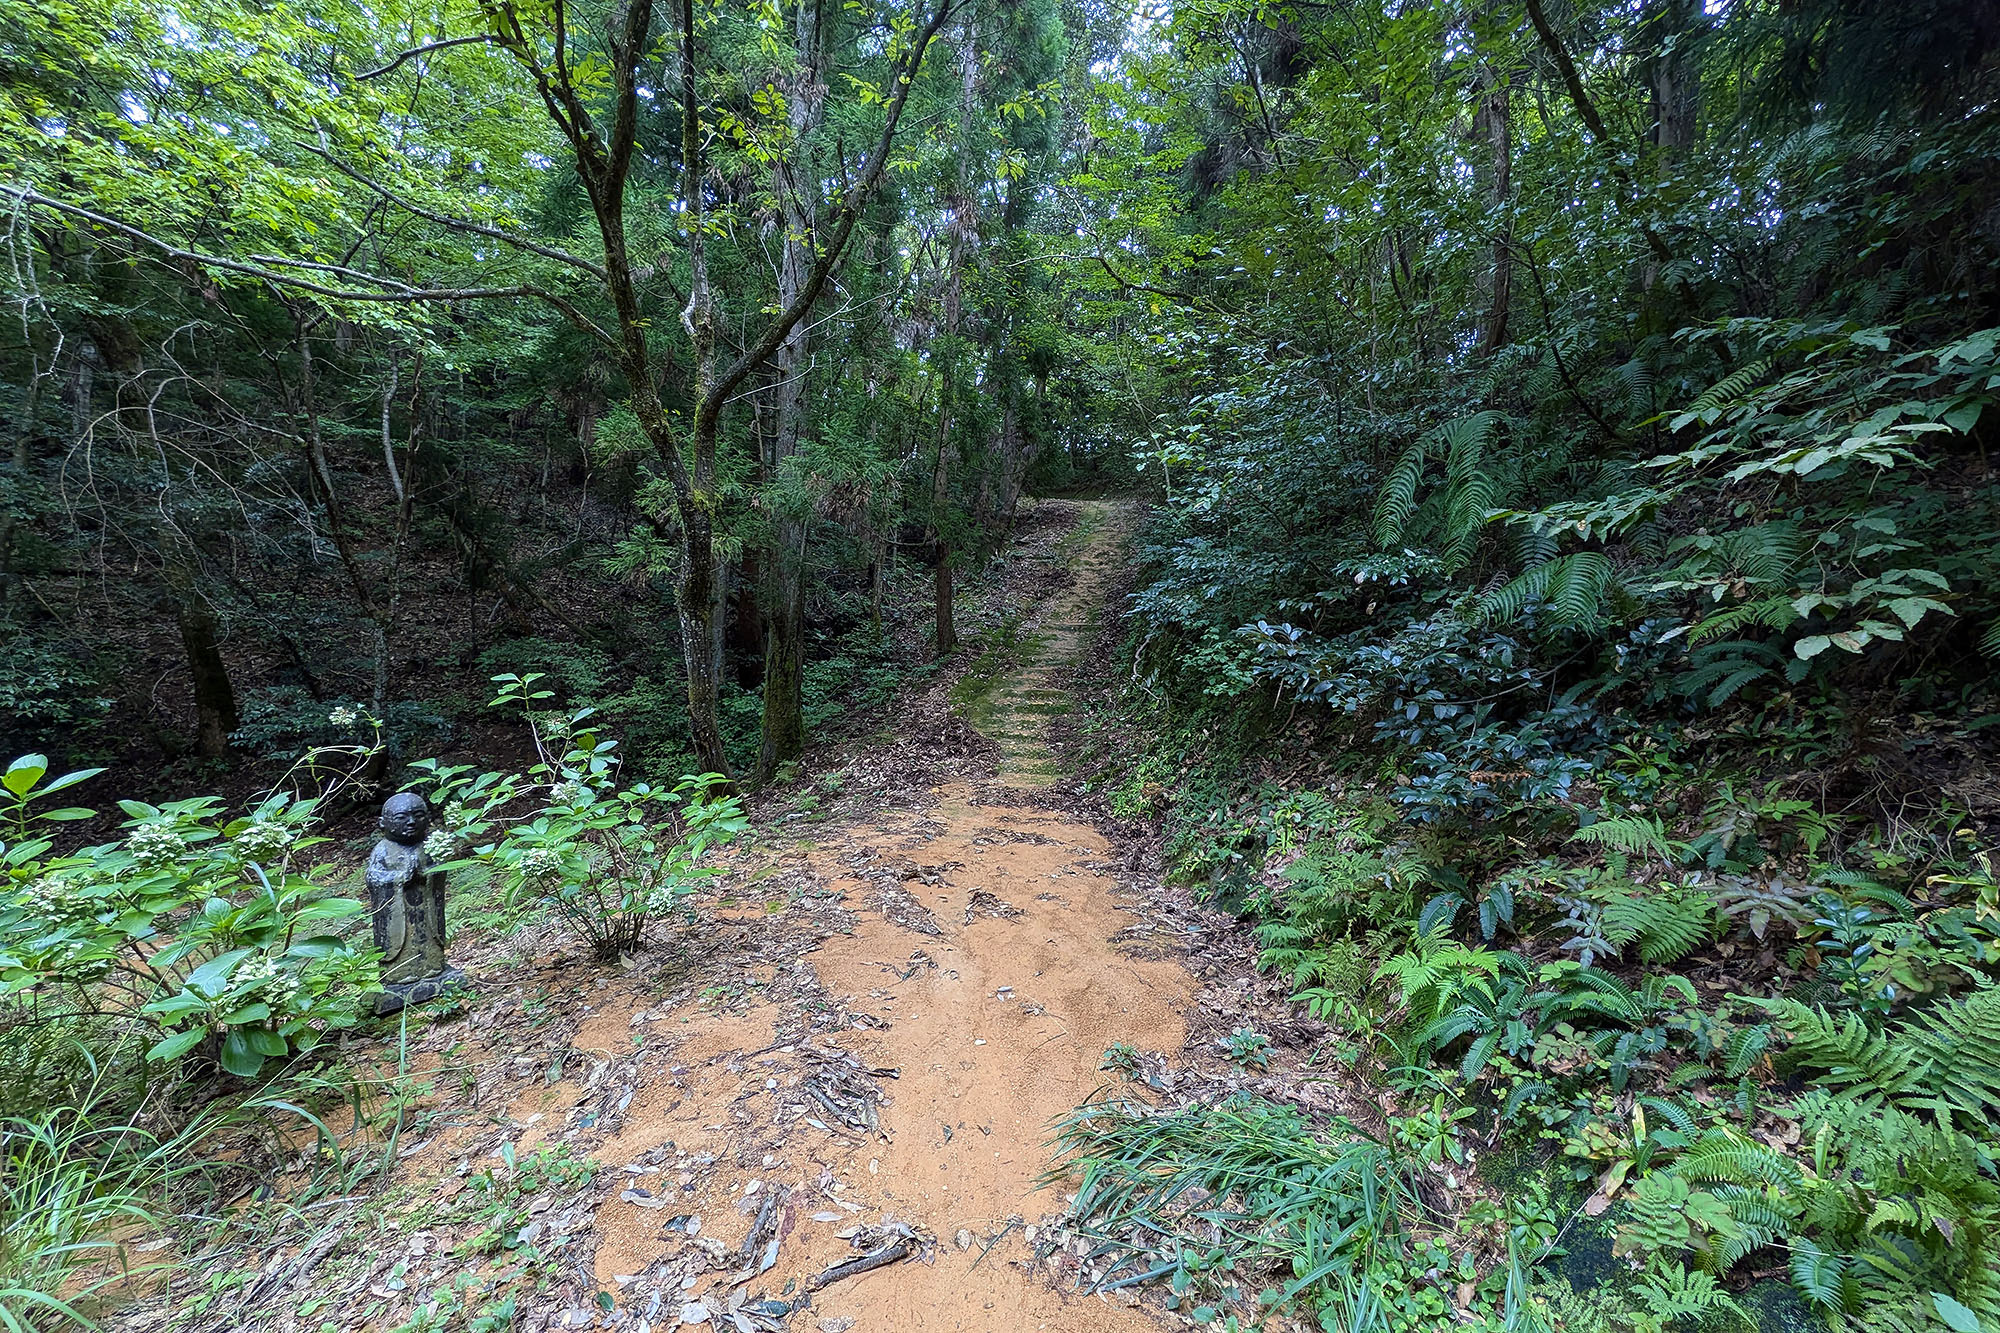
<point x="1462" y="444"/>
<point x="1727" y="389"/>
<point x="1768" y="613"/>
<point x="1746" y="1047"/>
<point x="1398" y="496"/>
<point x="1577" y="586"/>
<point x="1849" y="1053"/>
<point x="1726" y="1157"/>
<point x="1822" y="1278"/>
<point x="1644" y="834"/>
<point x="1466" y="506"/>
<point x="1667" y="927"/>
<point x="1672" y="1112"/>
<point x="1572" y="587"/>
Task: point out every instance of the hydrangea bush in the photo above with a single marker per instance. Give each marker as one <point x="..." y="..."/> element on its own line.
<point x="193" y="935"/>
<point x="608" y="859"/>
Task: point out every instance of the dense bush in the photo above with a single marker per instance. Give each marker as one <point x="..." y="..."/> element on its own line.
<point x="1568" y="619"/>
<point x="194" y="934"/>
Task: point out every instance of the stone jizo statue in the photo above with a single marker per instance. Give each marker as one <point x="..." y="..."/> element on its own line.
<point x="406" y="895"/>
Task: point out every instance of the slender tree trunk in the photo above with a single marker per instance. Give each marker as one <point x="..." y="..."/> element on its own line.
<point x="877" y="575"/>
<point x="784" y="735"/>
<point x="694" y="598"/>
<point x="1497" y="117"/>
<point x="1672" y="71"/>
<point x="964" y="223"/>
<point x="10" y="578"/>
<point x="947" y="636"/>
<point x="214" y="696"/>
<point x="784" y="728"/>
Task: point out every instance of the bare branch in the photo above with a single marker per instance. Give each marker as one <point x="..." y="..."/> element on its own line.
<point x="500" y="234"/>
<point x="426" y="49"/>
<point x="269" y="268"/>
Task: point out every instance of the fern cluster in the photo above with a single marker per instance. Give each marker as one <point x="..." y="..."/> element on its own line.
<point x="1943" y="1061"/>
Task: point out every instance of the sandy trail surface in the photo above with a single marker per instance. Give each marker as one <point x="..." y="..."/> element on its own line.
<point x="979" y="984"/>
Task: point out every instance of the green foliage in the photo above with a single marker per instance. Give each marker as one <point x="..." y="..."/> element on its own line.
<point x="1121" y="1057"/>
<point x="1249" y="1048"/>
<point x="74" y="1181"/>
<point x="1667" y="925"/>
<point x="194" y="935"/>
<point x="609" y="860"/>
<point x="1245" y="1187"/>
<point x="1944" y="1060"/>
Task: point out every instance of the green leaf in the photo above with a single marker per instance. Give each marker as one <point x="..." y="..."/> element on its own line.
<point x="209" y="979"/>
<point x="175" y="1046"/>
<point x="317" y="946"/>
<point x="1956" y="1316"/>
<point x="1912" y="609"/>
<point x="239" y="1057"/>
<point x="24" y="773"/>
<point x="1964" y="416"/>
<point x="1812" y="645"/>
<point x="179" y="1005"/>
<point x="265" y="1042"/>
<point x="69" y="780"/>
<point x="68" y="814"/>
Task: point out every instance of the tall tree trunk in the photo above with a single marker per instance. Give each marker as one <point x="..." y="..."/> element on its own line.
<point x="784" y="736"/>
<point x="964" y="223"/>
<point x="1497" y="118"/>
<point x="694" y="599"/>
<point x="877" y="576"/>
<point x="1672" y="71"/>
<point x="947" y="635"/>
<point x="784" y="729"/>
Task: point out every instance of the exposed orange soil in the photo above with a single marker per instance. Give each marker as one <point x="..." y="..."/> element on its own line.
<point x="982" y="970"/>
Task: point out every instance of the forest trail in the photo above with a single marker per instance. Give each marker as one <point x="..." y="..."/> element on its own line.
<point x="1016" y="713"/>
<point x="983" y="967"/>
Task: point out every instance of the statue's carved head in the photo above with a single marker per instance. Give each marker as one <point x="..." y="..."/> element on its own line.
<point x="406" y="818"/>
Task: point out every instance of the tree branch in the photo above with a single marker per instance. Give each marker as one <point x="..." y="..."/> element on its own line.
<point x="269" y="268"/>
<point x="500" y="234"/>
<point x="414" y="52"/>
<point x="845" y="216"/>
<point x="1580" y="99"/>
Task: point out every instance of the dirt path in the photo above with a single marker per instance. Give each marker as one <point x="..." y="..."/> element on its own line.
<point x="982" y="967"/>
<point x="1015" y="713"/>
<point x="826" y="1106"/>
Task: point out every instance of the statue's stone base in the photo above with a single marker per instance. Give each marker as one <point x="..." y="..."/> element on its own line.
<point x="396" y="996"/>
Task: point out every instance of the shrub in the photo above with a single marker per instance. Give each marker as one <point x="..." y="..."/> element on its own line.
<point x="197" y="934"/>
<point x="608" y="859"/>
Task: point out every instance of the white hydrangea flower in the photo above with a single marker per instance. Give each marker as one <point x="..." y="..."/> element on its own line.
<point x="50" y="896"/>
<point x="441" y="845"/>
<point x="264" y="841"/>
<point x="343" y="716"/>
<point x="568" y="793"/>
<point x="456" y="815"/>
<point x="280" y="987"/>
<point x="539" y="863"/>
<point x="155" y="845"/>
